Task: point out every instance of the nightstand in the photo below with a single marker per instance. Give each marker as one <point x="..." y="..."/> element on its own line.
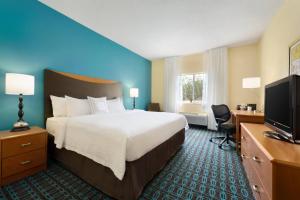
<point x="22" y="154"/>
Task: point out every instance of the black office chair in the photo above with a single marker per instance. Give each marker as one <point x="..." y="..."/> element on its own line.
<point x="222" y="115"/>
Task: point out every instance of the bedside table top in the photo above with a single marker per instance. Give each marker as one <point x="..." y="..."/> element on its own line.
<point x="33" y="130"/>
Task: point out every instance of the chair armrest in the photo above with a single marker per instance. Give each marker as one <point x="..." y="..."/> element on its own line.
<point x="220" y="119"/>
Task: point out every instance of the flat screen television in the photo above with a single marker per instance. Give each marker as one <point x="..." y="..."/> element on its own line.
<point x="282" y="109"/>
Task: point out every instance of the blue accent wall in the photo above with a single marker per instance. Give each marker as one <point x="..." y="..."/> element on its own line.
<point x="34" y="37"/>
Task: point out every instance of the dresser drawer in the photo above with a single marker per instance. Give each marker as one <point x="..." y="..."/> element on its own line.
<point x="257" y="187"/>
<point x="20" y="163"/>
<point x="19" y="145"/>
<point x="245" y="138"/>
<point x="263" y="167"/>
<point x="259" y="161"/>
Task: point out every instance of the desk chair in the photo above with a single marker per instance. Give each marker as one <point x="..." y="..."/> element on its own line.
<point x="222" y="115"/>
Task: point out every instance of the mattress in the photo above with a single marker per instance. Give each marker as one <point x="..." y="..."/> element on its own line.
<point x="111" y="139"/>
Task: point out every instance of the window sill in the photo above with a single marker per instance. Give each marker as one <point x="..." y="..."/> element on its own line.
<point x="192" y="103"/>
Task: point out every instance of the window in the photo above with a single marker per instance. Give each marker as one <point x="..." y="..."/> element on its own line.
<point x="192" y="87"/>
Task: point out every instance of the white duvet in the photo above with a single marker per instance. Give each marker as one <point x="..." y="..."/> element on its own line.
<point x="111" y="139"/>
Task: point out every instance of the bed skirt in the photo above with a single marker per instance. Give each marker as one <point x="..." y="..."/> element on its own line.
<point x="138" y="173"/>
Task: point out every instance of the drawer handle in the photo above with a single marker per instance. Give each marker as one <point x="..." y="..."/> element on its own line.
<point x="25" y="162"/>
<point x="244" y="156"/>
<point x="26" y="144"/>
<point x="242" y="137"/>
<point x="255" y="188"/>
<point x="256" y="159"/>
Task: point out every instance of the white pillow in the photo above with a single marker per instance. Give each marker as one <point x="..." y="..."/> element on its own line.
<point x="98" y="105"/>
<point x="77" y="107"/>
<point x="58" y="106"/>
<point x="115" y="105"/>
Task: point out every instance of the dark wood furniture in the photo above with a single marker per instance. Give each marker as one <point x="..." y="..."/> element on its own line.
<point x="272" y="166"/>
<point x="61" y="84"/>
<point x="22" y="154"/>
<point x="153" y="107"/>
<point x="138" y="173"/>
<point x="240" y="116"/>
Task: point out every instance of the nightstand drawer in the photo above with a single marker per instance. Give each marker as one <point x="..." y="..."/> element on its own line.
<point x="23" y="144"/>
<point x="16" y="164"/>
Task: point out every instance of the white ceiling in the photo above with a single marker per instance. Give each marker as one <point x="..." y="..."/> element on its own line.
<point x="162" y="28"/>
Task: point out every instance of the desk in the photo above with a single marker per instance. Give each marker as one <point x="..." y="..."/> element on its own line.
<point x="239" y="116"/>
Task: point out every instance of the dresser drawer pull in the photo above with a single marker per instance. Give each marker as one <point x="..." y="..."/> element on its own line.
<point x="25" y="162"/>
<point x="244" y="156"/>
<point x="26" y="144"/>
<point x="256" y="159"/>
<point x="255" y="188"/>
<point x="242" y="137"/>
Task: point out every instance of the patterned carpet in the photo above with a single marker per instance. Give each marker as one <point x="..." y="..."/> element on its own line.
<point x="200" y="170"/>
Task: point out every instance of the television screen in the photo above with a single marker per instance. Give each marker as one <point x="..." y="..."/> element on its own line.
<point x="278" y="110"/>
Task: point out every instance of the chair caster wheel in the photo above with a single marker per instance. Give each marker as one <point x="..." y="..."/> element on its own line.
<point x="210" y="140"/>
<point x="220" y="146"/>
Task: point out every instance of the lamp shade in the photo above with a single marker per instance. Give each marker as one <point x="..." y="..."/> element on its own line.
<point x="251" y="82"/>
<point x="16" y="84"/>
<point x="134" y="92"/>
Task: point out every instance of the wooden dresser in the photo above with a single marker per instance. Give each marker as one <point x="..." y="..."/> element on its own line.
<point x="272" y="166"/>
<point x="243" y="116"/>
<point x="22" y="154"/>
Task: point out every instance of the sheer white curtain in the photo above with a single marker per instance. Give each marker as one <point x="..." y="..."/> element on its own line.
<point x="215" y="64"/>
<point x="172" y="89"/>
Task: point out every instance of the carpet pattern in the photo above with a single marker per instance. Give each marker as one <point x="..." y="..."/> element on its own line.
<point x="200" y="170"/>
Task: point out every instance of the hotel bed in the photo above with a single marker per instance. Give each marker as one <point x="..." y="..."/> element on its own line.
<point x="118" y="153"/>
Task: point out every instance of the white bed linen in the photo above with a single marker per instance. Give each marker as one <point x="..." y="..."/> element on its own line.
<point x="111" y="139"/>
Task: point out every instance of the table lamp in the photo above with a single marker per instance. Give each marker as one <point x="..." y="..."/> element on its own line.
<point x="19" y="84"/>
<point x="251" y="83"/>
<point x="134" y="93"/>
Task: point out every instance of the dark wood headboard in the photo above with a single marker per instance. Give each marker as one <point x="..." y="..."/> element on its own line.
<point x="61" y="84"/>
